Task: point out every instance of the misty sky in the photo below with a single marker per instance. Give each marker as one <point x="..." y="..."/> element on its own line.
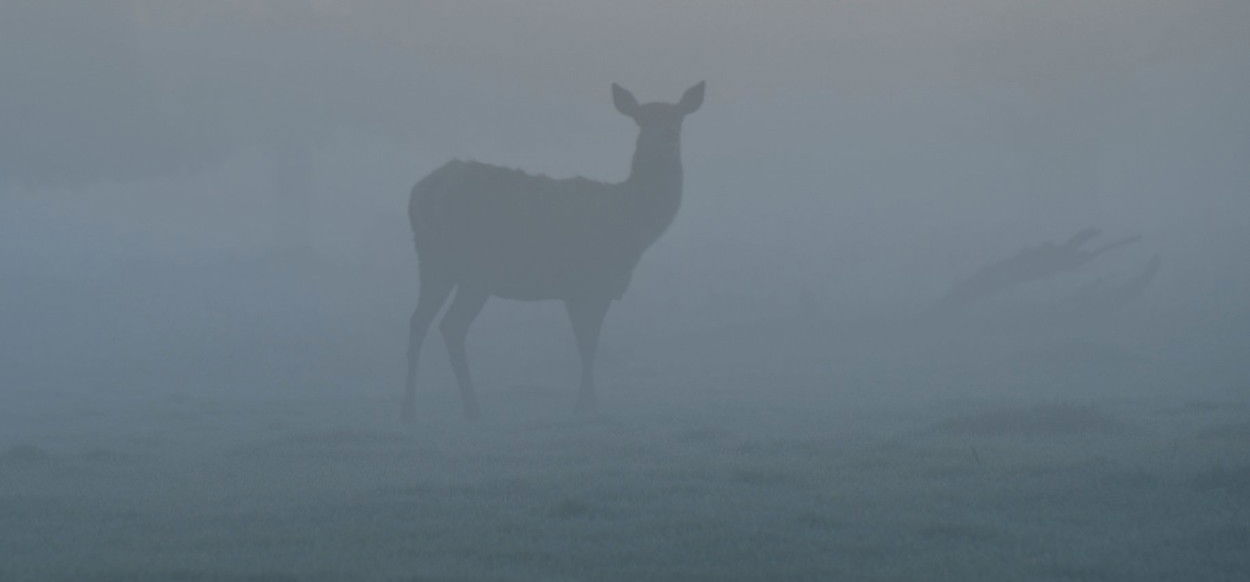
<point x="881" y="148"/>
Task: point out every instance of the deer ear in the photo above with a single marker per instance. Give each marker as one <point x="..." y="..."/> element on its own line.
<point x="691" y="99"/>
<point x="624" y="100"/>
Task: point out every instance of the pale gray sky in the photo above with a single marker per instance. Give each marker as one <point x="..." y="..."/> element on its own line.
<point x="855" y="132"/>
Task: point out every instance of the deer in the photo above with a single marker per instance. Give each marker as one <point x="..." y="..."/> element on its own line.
<point x="485" y="231"/>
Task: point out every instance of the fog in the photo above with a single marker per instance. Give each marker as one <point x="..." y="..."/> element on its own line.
<point x="955" y="291"/>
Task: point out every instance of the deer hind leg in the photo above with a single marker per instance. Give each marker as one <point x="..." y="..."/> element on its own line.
<point x="435" y="287"/>
<point x="455" y="327"/>
<point x="586" y="315"/>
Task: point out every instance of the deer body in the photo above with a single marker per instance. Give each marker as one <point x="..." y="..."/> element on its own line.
<point x="529" y="237"/>
<point x="484" y="230"/>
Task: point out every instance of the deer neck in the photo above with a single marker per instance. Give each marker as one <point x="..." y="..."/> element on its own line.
<point x="655" y="177"/>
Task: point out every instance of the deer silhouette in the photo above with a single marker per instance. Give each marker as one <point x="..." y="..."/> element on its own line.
<point x="482" y="230"/>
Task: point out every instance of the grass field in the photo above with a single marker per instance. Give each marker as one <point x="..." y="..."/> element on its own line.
<point x="751" y="452"/>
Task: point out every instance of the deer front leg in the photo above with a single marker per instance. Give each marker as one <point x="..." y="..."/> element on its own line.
<point x="587" y="315"/>
<point x="455" y="327"/>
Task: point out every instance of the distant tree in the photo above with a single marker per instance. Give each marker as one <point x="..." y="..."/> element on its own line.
<point x="125" y="90"/>
<point x="78" y="104"/>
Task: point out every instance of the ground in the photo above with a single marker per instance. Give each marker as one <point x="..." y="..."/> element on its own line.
<point x="809" y="461"/>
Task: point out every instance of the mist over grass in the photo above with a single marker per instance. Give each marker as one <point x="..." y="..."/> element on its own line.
<point x="208" y="272"/>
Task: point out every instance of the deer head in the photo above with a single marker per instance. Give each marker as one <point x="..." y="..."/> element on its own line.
<point x="659" y="124"/>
